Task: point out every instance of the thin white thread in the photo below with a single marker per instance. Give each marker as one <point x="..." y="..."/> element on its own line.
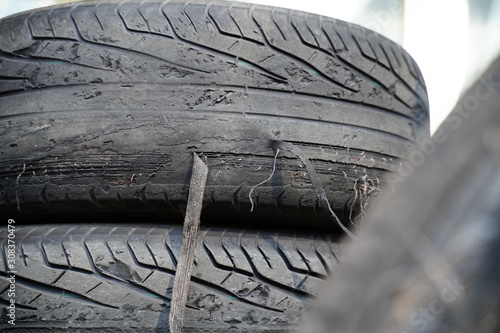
<point x="265" y="181"/>
<point x="17" y="187"/>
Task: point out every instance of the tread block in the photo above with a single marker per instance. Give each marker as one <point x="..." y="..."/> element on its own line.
<point x="220" y="15"/>
<point x="62" y="24"/>
<point x="156" y="244"/>
<point x="72" y="246"/>
<point x="375" y="44"/>
<point x="138" y="247"/>
<point x="131" y="16"/>
<point x="299" y="23"/>
<point x="311" y="258"/>
<point x="156" y="23"/>
<point x="291" y="255"/>
<point x="54" y="253"/>
<point x="231" y="243"/>
<point x="16" y="35"/>
<point x="213" y="244"/>
<point x="240" y="15"/>
<point x="40" y="25"/>
<point x="359" y="38"/>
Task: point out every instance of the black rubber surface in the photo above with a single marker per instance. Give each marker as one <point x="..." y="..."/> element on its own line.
<point x="120" y="278"/>
<point x="100" y="106"/>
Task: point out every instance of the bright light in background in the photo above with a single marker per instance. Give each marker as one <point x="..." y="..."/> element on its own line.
<point x="9" y="7"/>
<point x="439" y="45"/>
<point x="484" y="38"/>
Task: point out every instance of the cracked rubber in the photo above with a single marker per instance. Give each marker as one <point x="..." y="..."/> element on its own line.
<point x="109" y="277"/>
<point x="101" y="106"/>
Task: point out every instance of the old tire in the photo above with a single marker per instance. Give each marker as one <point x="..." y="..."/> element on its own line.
<point x="119" y="278"/>
<point x="101" y="105"/>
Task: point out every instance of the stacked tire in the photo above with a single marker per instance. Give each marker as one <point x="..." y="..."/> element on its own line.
<point x="101" y="108"/>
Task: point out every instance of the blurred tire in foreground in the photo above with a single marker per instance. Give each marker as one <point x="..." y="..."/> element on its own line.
<point x="428" y="259"/>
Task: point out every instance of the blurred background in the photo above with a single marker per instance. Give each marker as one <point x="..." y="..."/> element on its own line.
<point x="453" y="41"/>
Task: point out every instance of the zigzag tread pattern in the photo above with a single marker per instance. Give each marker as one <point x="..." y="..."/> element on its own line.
<point x="290" y="50"/>
<point x="245" y="55"/>
<point x="112" y="267"/>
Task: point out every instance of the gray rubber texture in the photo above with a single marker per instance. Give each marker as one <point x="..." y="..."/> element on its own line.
<point x="434" y="242"/>
<point x="121" y="278"/>
<point x="100" y="106"/>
